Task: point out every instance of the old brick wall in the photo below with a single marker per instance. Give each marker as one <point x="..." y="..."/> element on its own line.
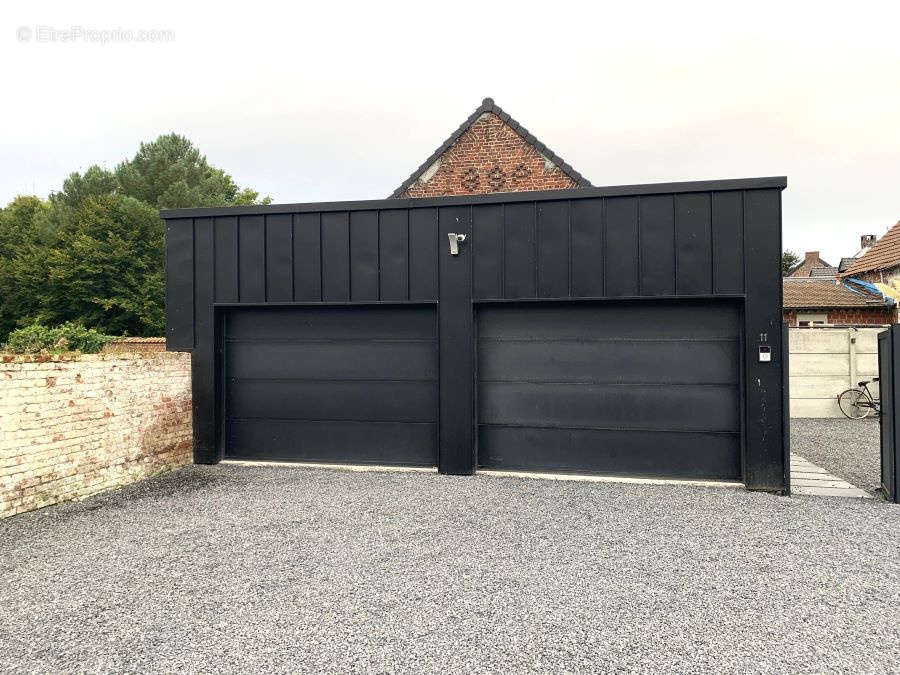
<point x="490" y="157"/>
<point x="74" y="426"/>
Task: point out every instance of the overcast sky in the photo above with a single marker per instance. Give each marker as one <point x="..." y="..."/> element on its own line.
<point x="324" y="101"/>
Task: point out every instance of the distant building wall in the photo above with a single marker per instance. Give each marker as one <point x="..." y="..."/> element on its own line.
<point x="850" y="316"/>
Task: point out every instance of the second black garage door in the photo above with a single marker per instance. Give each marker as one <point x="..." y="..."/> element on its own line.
<point x="641" y="388"/>
<point x="332" y="384"/>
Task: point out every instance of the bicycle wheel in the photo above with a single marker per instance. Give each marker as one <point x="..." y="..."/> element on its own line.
<point x="855" y="404"/>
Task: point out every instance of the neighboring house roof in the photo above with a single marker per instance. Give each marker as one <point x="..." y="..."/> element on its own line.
<point x="488" y="106"/>
<point x="882" y="254"/>
<point x="811" y="261"/>
<point x="818" y="293"/>
<point x="845" y="263"/>
<point x="823" y="272"/>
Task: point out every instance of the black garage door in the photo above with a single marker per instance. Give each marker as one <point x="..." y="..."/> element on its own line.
<point x="332" y="384"/>
<point x="641" y="388"/>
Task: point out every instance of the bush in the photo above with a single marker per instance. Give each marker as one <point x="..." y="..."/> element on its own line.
<point x="67" y="337"/>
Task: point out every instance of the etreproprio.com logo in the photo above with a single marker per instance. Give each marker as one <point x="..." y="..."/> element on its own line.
<point x="102" y="36"/>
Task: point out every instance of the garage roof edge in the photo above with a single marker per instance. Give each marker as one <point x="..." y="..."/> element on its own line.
<point x="765" y="183"/>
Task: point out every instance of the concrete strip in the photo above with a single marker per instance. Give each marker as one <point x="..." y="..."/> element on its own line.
<point x="608" y="479"/>
<point x="494" y="473"/>
<point x="807" y="482"/>
<point x="812" y="480"/>
<point x="341" y="467"/>
<point x="853" y="493"/>
<point x="813" y="475"/>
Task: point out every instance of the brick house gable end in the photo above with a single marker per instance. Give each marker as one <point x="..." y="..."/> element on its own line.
<point x="490" y="153"/>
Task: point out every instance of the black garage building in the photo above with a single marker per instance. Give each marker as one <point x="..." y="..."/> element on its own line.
<point x="628" y="330"/>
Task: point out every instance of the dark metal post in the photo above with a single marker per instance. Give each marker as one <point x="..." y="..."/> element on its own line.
<point x="786" y="405"/>
<point x="457" y="344"/>
<point x="888" y="343"/>
<point x="764" y="461"/>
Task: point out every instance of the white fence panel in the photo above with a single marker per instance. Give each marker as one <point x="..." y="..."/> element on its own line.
<point x="826" y="361"/>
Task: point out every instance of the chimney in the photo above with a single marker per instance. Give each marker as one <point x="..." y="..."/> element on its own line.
<point x="866" y="240"/>
<point x="812" y="256"/>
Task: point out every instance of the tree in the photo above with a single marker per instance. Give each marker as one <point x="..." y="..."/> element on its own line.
<point x="93" y="253"/>
<point x="76" y="188"/>
<point x="171" y="173"/>
<point x="25" y="236"/>
<point x="789" y="260"/>
<point x="107" y="270"/>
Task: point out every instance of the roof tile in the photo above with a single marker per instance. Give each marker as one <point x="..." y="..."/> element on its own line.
<point x="882" y="254"/>
<point x="810" y="292"/>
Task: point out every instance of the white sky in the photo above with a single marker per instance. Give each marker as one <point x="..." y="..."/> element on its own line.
<point x="323" y="101"/>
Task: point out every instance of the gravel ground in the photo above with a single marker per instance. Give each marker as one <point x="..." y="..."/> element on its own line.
<point x="850" y="449"/>
<point x="230" y="568"/>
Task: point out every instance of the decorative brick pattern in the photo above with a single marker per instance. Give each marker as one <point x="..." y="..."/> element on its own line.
<point x="490" y="157"/>
<point x="73" y="426"/>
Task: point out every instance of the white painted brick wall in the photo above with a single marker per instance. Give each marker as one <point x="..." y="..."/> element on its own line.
<point x="74" y="426"/>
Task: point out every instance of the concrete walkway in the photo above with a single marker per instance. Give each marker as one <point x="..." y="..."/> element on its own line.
<point x="809" y="479"/>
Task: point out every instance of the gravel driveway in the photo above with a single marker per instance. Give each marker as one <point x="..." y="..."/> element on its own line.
<point x="850" y="449"/>
<point x="230" y="568"/>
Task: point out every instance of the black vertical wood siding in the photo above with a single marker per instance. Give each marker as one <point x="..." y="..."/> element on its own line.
<point x="251" y="250"/>
<point x="393" y="255"/>
<point x="226" y="259"/>
<point x="279" y="263"/>
<point x="423" y="254"/>
<point x="180" y="284"/>
<point x="634" y="246"/>
<point x="631" y="246"/>
<point x="364" y="249"/>
<point x="700" y="240"/>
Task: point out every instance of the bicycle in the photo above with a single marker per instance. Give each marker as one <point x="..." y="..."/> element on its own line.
<point x="859" y="403"/>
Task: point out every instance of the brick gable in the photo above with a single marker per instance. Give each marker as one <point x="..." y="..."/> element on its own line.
<point x="490" y="152"/>
<point x="489" y="157"/>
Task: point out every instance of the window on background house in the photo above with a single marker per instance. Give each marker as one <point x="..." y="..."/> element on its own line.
<point x="811" y="319"/>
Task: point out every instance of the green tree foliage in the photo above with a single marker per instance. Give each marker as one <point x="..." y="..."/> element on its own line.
<point x="93" y="252"/>
<point x="107" y="270"/>
<point x="96" y="181"/>
<point x="789" y="260"/>
<point x="171" y="173"/>
<point x="25" y="236"/>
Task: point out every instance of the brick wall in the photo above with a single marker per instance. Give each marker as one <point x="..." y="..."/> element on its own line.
<point x="489" y="157"/>
<point x="851" y="316"/>
<point x="861" y="317"/>
<point x="74" y="426"/>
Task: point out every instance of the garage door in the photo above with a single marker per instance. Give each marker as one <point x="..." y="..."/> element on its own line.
<point x="332" y="384"/>
<point x="641" y="388"/>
